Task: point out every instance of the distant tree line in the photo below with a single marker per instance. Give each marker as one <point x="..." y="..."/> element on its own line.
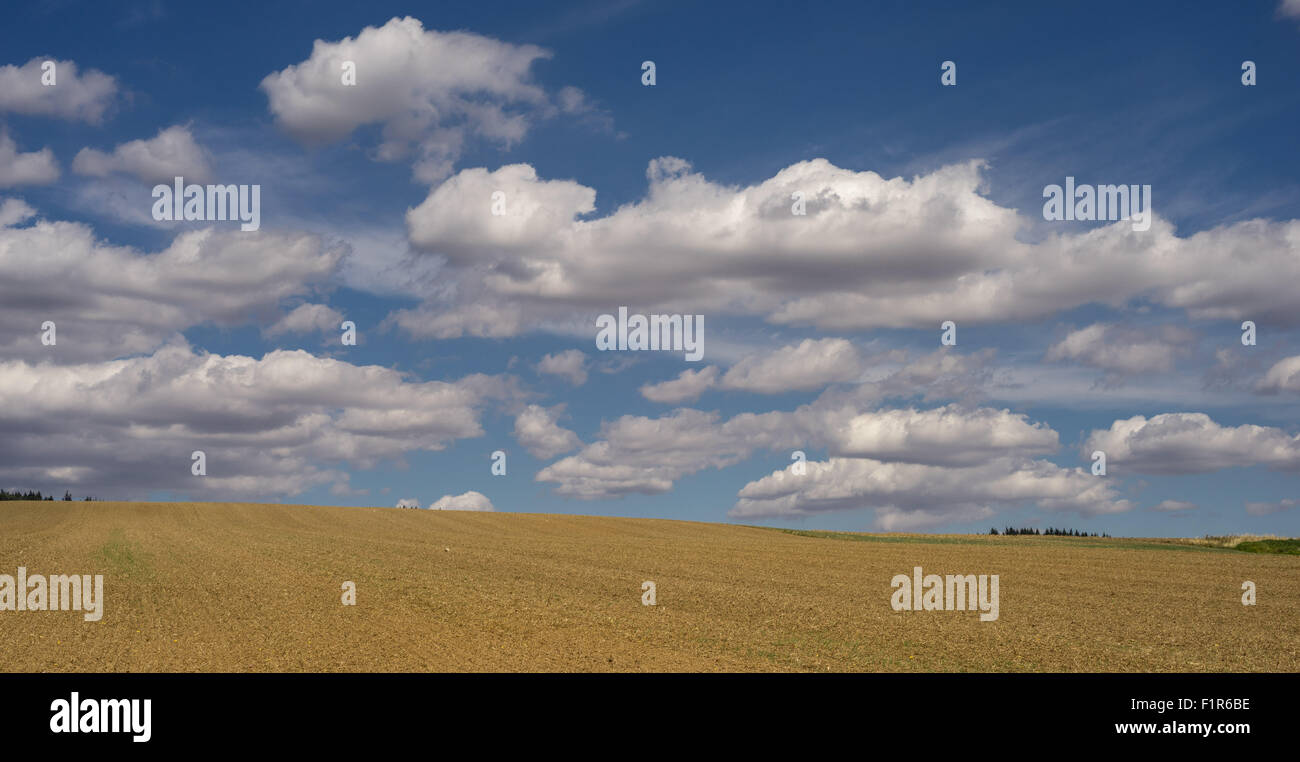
<point x="33" y="495"/>
<point x="1048" y="531"/>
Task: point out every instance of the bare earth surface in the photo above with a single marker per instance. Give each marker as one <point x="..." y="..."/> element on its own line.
<point x="238" y="587"/>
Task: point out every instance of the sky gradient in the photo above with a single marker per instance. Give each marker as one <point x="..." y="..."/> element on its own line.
<point x="476" y="331"/>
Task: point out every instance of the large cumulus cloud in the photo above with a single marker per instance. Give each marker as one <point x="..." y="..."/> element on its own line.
<point x="431" y="91"/>
<point x="274" y="425"/>
<point x="870" y="252"/>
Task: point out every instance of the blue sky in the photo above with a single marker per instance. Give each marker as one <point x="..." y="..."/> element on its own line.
<point x="822" y="330"/>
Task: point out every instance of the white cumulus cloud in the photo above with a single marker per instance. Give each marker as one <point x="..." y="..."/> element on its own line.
<point x="870" y="252"/>
<point x="1191" y="443"/>
<point x="75" y="95"/>
<point x="536" y="429"/>
<point x="171" y="153"/>
<point x="111" y="301"/>
<point x="265" y="424"/>
<point x="569" y="365"/>
<point x="431" y="91"/>
<point x="469" y="501"/>
<point x="307" y="318"/>
<point x="1284" y="376"/>
<point x="17" y="168"/>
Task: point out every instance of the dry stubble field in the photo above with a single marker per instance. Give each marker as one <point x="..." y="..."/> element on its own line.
<point x="240" y="587"/>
